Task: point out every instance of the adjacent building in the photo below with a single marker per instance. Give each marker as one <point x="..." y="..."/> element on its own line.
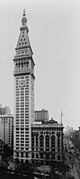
<point x="23" y="94"/>
<point x="41" y="115"/>
<point x="4" y="110"/>
<point x="1" y="150"/>
<point x="75" y="138"/>
<point x="47" y="142"/>
<point x="6" y="129"/>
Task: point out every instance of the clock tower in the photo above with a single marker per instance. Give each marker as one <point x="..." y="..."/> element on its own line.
<point x="23" y="94"/>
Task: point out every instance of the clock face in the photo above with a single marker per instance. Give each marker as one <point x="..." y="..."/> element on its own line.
<point x="22" y="83"/>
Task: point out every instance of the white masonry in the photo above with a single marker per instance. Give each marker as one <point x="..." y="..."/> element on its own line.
<point x="23" y="95"/>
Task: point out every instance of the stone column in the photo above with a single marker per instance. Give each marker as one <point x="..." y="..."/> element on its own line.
<point x="61" y="138"/>
<point x="44" y="158"/>
<point x="38" y="147"/>
<point x="14" y="156"/>
<point x="56" y="147"/>
<point x="60" y="142"/>
<point x="20" y="156"/>
<point x="49" y="142"/>
<point x="44" y="141"/>
<point x="38" y="142"/>
<point x="35" y="146"/>
<point x="24" y="157"/>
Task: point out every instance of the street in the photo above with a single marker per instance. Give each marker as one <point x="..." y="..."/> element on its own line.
<point x="72" y="160"/>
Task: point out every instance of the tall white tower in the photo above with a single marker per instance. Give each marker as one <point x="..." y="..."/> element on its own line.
<point x="23" y="94"/>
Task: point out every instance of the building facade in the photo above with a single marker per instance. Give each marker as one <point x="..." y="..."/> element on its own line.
<point x="41" y="115"/>
<point x="6" y="129"/>
<point x="75" y="138"/>
<point x="4" y="110"/>
<point x="40" y="141"/>
<point x="1" y="150"/>
<point x="23" y="95"/>
<point x="47" y="142"/>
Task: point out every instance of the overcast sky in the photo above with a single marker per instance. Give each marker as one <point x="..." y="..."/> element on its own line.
<point x="54" y="32"/>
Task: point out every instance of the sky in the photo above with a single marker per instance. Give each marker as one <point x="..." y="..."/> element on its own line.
<point x="54" y="33"/>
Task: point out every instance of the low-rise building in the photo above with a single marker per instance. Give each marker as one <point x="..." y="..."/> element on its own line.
<point x="6" y="129"/>
<point x="1" y="150"/>
<point x="4" y="110"/>
<point x="47" y="142"/>
<point x="41" y="115"/>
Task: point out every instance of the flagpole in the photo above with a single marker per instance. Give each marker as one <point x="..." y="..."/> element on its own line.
<point x="61" y="116"/>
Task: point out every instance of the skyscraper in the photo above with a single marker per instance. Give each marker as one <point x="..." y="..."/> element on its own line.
<point x="23" y="94"/>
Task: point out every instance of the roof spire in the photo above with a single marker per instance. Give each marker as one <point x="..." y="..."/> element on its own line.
<point x="24" y="19"/>
<point x="24" y="14"/>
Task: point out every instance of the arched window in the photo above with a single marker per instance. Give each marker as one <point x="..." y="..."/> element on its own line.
<point x="24" y="66"/>
<point x="32" y="142"/>
<point x="41" y="142"/>
<point x="47" y="142"/>
<point x="21" y="66"/>
<point x="27" y="64"/>
<point x="58" y="140"/>
<point x="17" y="66"/>
<point x="36" y="142"/>
<point x="52" y="142"/>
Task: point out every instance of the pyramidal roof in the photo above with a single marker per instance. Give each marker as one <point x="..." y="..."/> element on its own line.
<point x="23" y="41"/>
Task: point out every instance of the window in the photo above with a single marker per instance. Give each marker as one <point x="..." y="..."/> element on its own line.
<point x="27" y="135"/>
<point x="32" y="155"/>
<point x="17" y="138"/>
<point x="17" y="142"/>
<point x="22" y="94"/>
<point x="37" y="141"/>
<point x="26" y="130"/>
<point x="17" y="129"/>
<point x="22" y="145"/>
<point x="22" y="132"/>
<point x="36" y="155"/>
<point x="21" y="154"/>
<point x="58" y="157"/>
<point x="22" y="138"/>
<point x="17" y="94"/>
<point x="26" y="142"/>
<point x="41" y="155"/>
<point x="53" y="156"/>
<point x="17" y="132"/>
<point x="17" y="135"/>
<point x="26" y="155"/>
